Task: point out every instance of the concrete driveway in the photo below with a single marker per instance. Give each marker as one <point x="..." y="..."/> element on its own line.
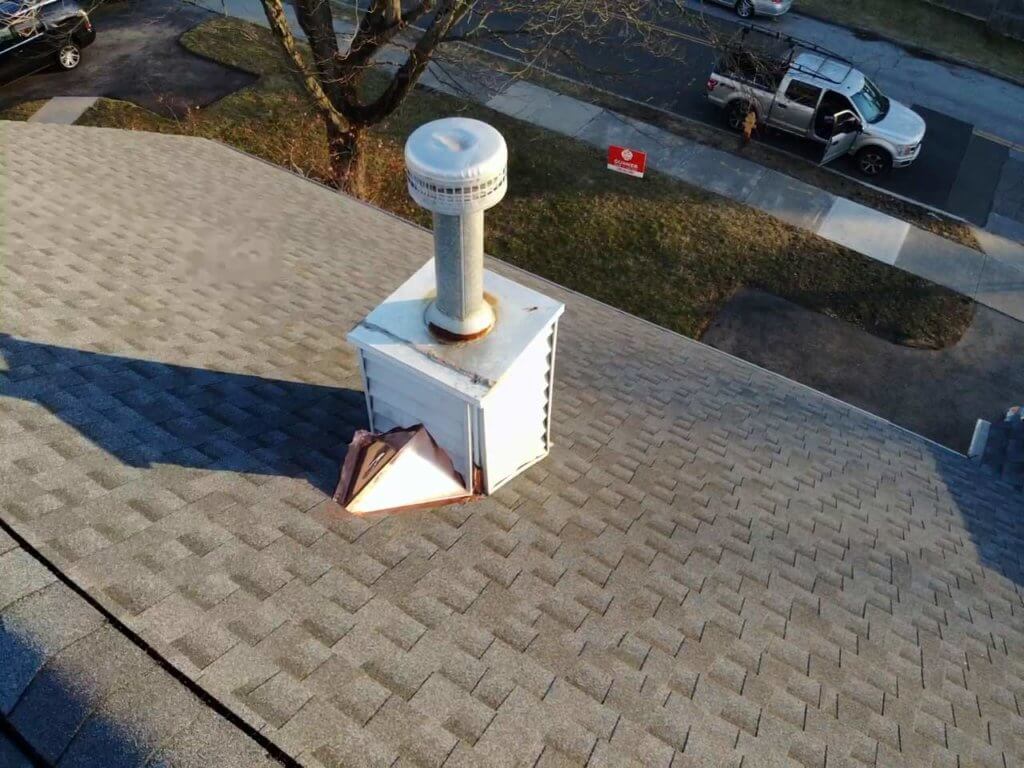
<point x="938" y="394"/>
<point x="137" y="57"/>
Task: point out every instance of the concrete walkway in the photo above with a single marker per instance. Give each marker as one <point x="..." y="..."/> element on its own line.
<point x="935" y="393"/>
<point x="994" y="278"/>
<point x="64" y="110"/>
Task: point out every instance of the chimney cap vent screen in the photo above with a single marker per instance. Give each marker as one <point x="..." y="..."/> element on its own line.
<point x="456" y="165"/>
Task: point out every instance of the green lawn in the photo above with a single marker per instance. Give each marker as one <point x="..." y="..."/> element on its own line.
<point x="657" y="248"/>
<point x="918" y="23"/>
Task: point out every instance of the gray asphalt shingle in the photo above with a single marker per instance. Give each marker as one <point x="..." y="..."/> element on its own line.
<point x="714" y="565"/>
<point x="1004" y="450"/>
<point x="80" y="693"/>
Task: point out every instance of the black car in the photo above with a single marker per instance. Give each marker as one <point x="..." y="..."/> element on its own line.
<point x="39" y="34"/>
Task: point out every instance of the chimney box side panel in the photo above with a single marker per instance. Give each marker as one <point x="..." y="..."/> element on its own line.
<point x="516" y="412"/>
<point x="399" y="398"/>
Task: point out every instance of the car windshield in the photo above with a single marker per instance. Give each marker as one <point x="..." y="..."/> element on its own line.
<point x="871" y="104"/>
<point x="12" y="11"/>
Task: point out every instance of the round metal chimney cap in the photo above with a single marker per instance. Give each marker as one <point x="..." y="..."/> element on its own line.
<point x="456" y="165"/>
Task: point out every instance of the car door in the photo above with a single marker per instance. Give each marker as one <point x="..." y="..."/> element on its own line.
<point x="8" y="54"/>
<point x="36" y="51"/>
<point x="795" y="106"/>
<point x="846" y="129"/>
<point x="831" y="104"/>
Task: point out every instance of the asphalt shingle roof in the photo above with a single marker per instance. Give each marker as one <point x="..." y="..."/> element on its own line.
<point x="1004" y="450"/>
<point x="715" y="566"/>
<point x="79" y="692"/>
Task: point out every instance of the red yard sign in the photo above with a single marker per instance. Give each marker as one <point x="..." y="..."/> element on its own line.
<point x="629" y="161"/>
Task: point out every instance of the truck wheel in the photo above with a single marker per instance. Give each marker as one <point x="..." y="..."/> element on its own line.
<point x="736" y="114"/>
<point x="69" y="56"/>
<point x="744" y="8"/>
<point x="873" y="161"/>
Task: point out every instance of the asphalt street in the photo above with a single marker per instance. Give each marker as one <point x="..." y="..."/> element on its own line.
<point x="137" y="57"/>
<point x="958" y="170"/>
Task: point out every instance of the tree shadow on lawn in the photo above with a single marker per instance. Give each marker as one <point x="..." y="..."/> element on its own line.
<point x="144" y="413"/>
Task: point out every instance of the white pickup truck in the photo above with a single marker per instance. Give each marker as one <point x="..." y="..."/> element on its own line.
<point x="803" y="89"/>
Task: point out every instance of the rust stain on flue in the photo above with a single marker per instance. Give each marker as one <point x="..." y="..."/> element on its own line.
<point x="447" y="337"/>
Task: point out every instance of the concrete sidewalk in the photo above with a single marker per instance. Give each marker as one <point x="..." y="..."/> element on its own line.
<point x="994" y="278"/>
<point x="63" y="110"/>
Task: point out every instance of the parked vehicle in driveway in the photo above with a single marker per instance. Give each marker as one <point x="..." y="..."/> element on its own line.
<point x="805" y="90"/>
<point x="37" y="35"/>
<point x="747" y="9"/>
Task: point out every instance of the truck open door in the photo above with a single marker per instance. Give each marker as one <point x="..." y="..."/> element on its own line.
<point x="846" y="127"/>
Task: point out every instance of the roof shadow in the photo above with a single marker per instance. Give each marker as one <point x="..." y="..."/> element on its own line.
<point x="991" y="512"/>
<point x="54" y="712"/>
<point x="144" y="413"/>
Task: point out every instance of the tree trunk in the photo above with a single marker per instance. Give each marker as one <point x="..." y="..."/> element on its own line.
<point x="348" y="166"/>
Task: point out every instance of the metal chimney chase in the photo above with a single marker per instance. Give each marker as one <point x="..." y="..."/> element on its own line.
<point x="465" y="352"/>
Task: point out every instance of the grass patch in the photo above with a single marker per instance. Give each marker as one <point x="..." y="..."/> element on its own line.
<point x="23" y="111"/>
<point x="657" y="248"/>
<point x="239" y="44"/>
<point x="918" y="23"/>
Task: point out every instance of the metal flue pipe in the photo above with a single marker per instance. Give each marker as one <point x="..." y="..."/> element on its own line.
<point x="457" y="168"/>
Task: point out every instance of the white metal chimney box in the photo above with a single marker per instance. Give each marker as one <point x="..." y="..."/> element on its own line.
<point x="487" y="402"/>
<point x="484" y="395"/>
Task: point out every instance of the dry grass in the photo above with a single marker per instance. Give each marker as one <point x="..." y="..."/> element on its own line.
<point x="23" y="111"/>
<point x="237" y="43"/>
<point x="918" y="23"/>
<point x="656" y="247"/>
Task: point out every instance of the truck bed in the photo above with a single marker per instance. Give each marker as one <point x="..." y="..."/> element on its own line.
<point x="752" y="67"/>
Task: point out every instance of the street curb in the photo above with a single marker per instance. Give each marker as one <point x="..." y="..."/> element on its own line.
<point x="916" y="50"/>
<point x="796" y="158"/>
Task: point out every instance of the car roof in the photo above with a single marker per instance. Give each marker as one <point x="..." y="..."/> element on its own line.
<point x="826" y="72"/>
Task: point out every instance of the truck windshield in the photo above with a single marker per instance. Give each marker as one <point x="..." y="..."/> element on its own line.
<point x="871" y="104"/>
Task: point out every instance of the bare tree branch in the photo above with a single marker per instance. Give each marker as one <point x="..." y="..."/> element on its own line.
<point x="394" y="41"/>
<point x="282" y="31"/>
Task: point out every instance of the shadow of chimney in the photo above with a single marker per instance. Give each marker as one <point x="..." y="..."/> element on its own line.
<point x="145" y="413"/>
